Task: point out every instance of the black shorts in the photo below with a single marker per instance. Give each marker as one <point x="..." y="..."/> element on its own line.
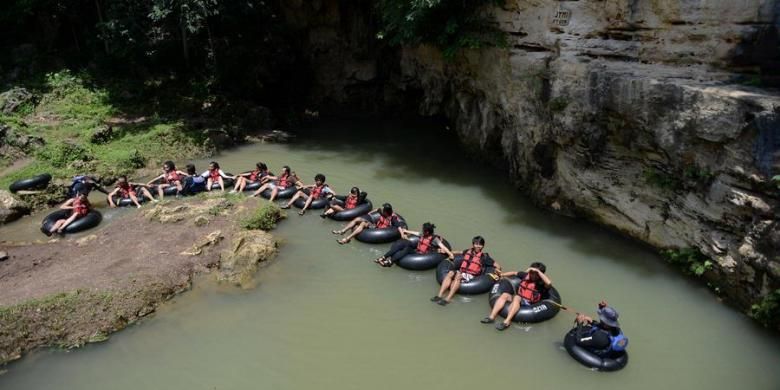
<point x="505" y="287"/>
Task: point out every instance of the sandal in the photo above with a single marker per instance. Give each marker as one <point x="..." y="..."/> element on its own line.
<point x="487" y="320"/>
<point x="379" y="260"/>
<point x="501" y="326"/>
<point x="435" y="298"/>
<point x="443" y="302"/>
<point x="386" y="263"/>
<point x="337" y="232"/>
<point x="302" y="212"/>
<point x="287" y="206"/>
<point x="343" y="241"/>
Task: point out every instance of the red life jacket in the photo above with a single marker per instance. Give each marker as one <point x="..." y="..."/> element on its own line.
<point x="283" y="181"/>
<point x="256" y="174"/>
<point x="80" y="208"/>
<point x="317" y="191"/>
<point x="385" y="222"/>
<point x="425" y="244"/>
<point x="172" y="177"/>
<point x="214" y="175"/>
<point x="351" y="202"/>
<point x="472" y="262"/>
<point x="125" y="190"/>
<point x="528" y="290"/>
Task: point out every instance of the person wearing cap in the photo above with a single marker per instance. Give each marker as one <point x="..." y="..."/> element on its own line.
<point x="534" y="284"/>
<point x="604" y="338"/>
<point x="472" y="263"/>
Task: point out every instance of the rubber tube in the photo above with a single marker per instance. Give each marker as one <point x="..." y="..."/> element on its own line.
<point x="422" y="261"/>
<point x="538" y="312"/>
<point x="383" y="235"/>
<point x="319" y="203"/>
<point x="88" y="221"/>
<point x="35" y="182"/>
<point x="590" y="359"/>
<point x="479" y="285"/>
<point x="124" y="202"/>
<point x="347" y="215"/>
<point x="282" y="194"/>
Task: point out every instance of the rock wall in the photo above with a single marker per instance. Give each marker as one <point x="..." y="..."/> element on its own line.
<point x="634" y="114"/>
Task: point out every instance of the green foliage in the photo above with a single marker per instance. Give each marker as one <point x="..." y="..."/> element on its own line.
<point x="450" y="25"/>
<point x="767" y="311"/>
<point x="691" y="260"/>
<point x="661" y="179"/>
<point x="263" y="218"/>
<point x="697" y="174"/>
<point x="60" y="154"/>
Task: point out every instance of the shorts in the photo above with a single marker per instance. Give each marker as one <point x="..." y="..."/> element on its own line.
<point x="274" y="185"/>
<point x="505" y="287"/>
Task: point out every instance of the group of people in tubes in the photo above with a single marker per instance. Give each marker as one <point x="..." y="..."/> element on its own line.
<point x="600" y="343"/>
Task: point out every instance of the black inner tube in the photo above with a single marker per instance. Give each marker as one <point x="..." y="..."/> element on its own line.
<point x="348" y="215"/>
<point x="590" y="359"/>
<point x="479" y="285"/>
<point x="540" y="311"/>
<point x="422" y="261"/>
<point x="88" y="221"/>
<point x="35" y="182"/>
<point x="383" y="235"/>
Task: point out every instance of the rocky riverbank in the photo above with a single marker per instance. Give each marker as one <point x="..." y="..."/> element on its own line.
<point x="68" y="292"/>
<point x="656" y="118"/>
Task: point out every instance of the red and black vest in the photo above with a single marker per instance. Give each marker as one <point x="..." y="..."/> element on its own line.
<point x="283" y="181"/>
<point x="125" y="190"/>
<point x="172" y="177"/>
<point x="317" y="191"/>
<point x="80" y="208"/>
<point x="528" y="290"/>
<point x="257" y="174"/>
<point x="472" y="262"/>
<point x="350" y="202"/>
<point x="385" y="222"/>
<point x="426" y="243"/>
<point x="214" y="174"/>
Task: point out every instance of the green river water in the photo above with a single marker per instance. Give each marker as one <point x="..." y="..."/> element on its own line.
<point x="325" y="316"/>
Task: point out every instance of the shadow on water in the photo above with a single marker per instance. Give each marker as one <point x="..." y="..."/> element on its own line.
<point x="396" y="141"/>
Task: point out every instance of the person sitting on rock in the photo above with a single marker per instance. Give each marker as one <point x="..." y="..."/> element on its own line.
<point x="534" y="284"/>
<point x="472" y="263"/>
<point x="80" y="206"/>
<point x="387" y="219"/>
<point x="126" y="189"/>
<point x="428" y="242"/>
<point x="193" y="183"/>
<point x="170" y="177"/>
<point x="257" y="175"/>
<point x="278" y="183"/>
<point x="215" y="175"/>
<point x="317" y="190"/>
<point x="603" y="338"/>
<point x="351" y="201"/>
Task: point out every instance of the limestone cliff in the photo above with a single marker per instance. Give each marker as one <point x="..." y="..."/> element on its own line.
<point x="630" y="113"/>
<point x="649" y="116"/>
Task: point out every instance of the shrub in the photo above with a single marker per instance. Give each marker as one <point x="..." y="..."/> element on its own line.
<point x="450" y="25"/>
<point x="60" y="154"/>
<point x="263" y="218"/>
<point x="691" y="260"/>
<point x="767" y="312"/>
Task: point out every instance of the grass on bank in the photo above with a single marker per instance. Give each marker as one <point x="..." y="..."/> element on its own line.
<point x="69" y="110"/>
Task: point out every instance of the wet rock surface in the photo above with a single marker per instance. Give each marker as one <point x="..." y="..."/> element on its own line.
<point x="630" y="115"/>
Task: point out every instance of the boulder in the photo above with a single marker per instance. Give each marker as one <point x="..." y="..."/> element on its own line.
<point x="12" y="99"/>
<point x="248" y="249"/>
<point x="11" y="208"/>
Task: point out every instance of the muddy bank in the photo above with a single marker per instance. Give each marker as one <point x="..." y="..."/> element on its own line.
<point x="67" y="292"/>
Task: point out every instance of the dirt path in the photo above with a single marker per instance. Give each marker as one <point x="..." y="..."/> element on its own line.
<point x="67" y="292"/>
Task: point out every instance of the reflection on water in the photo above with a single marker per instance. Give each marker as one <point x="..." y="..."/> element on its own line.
<point x="324" y="315"/>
